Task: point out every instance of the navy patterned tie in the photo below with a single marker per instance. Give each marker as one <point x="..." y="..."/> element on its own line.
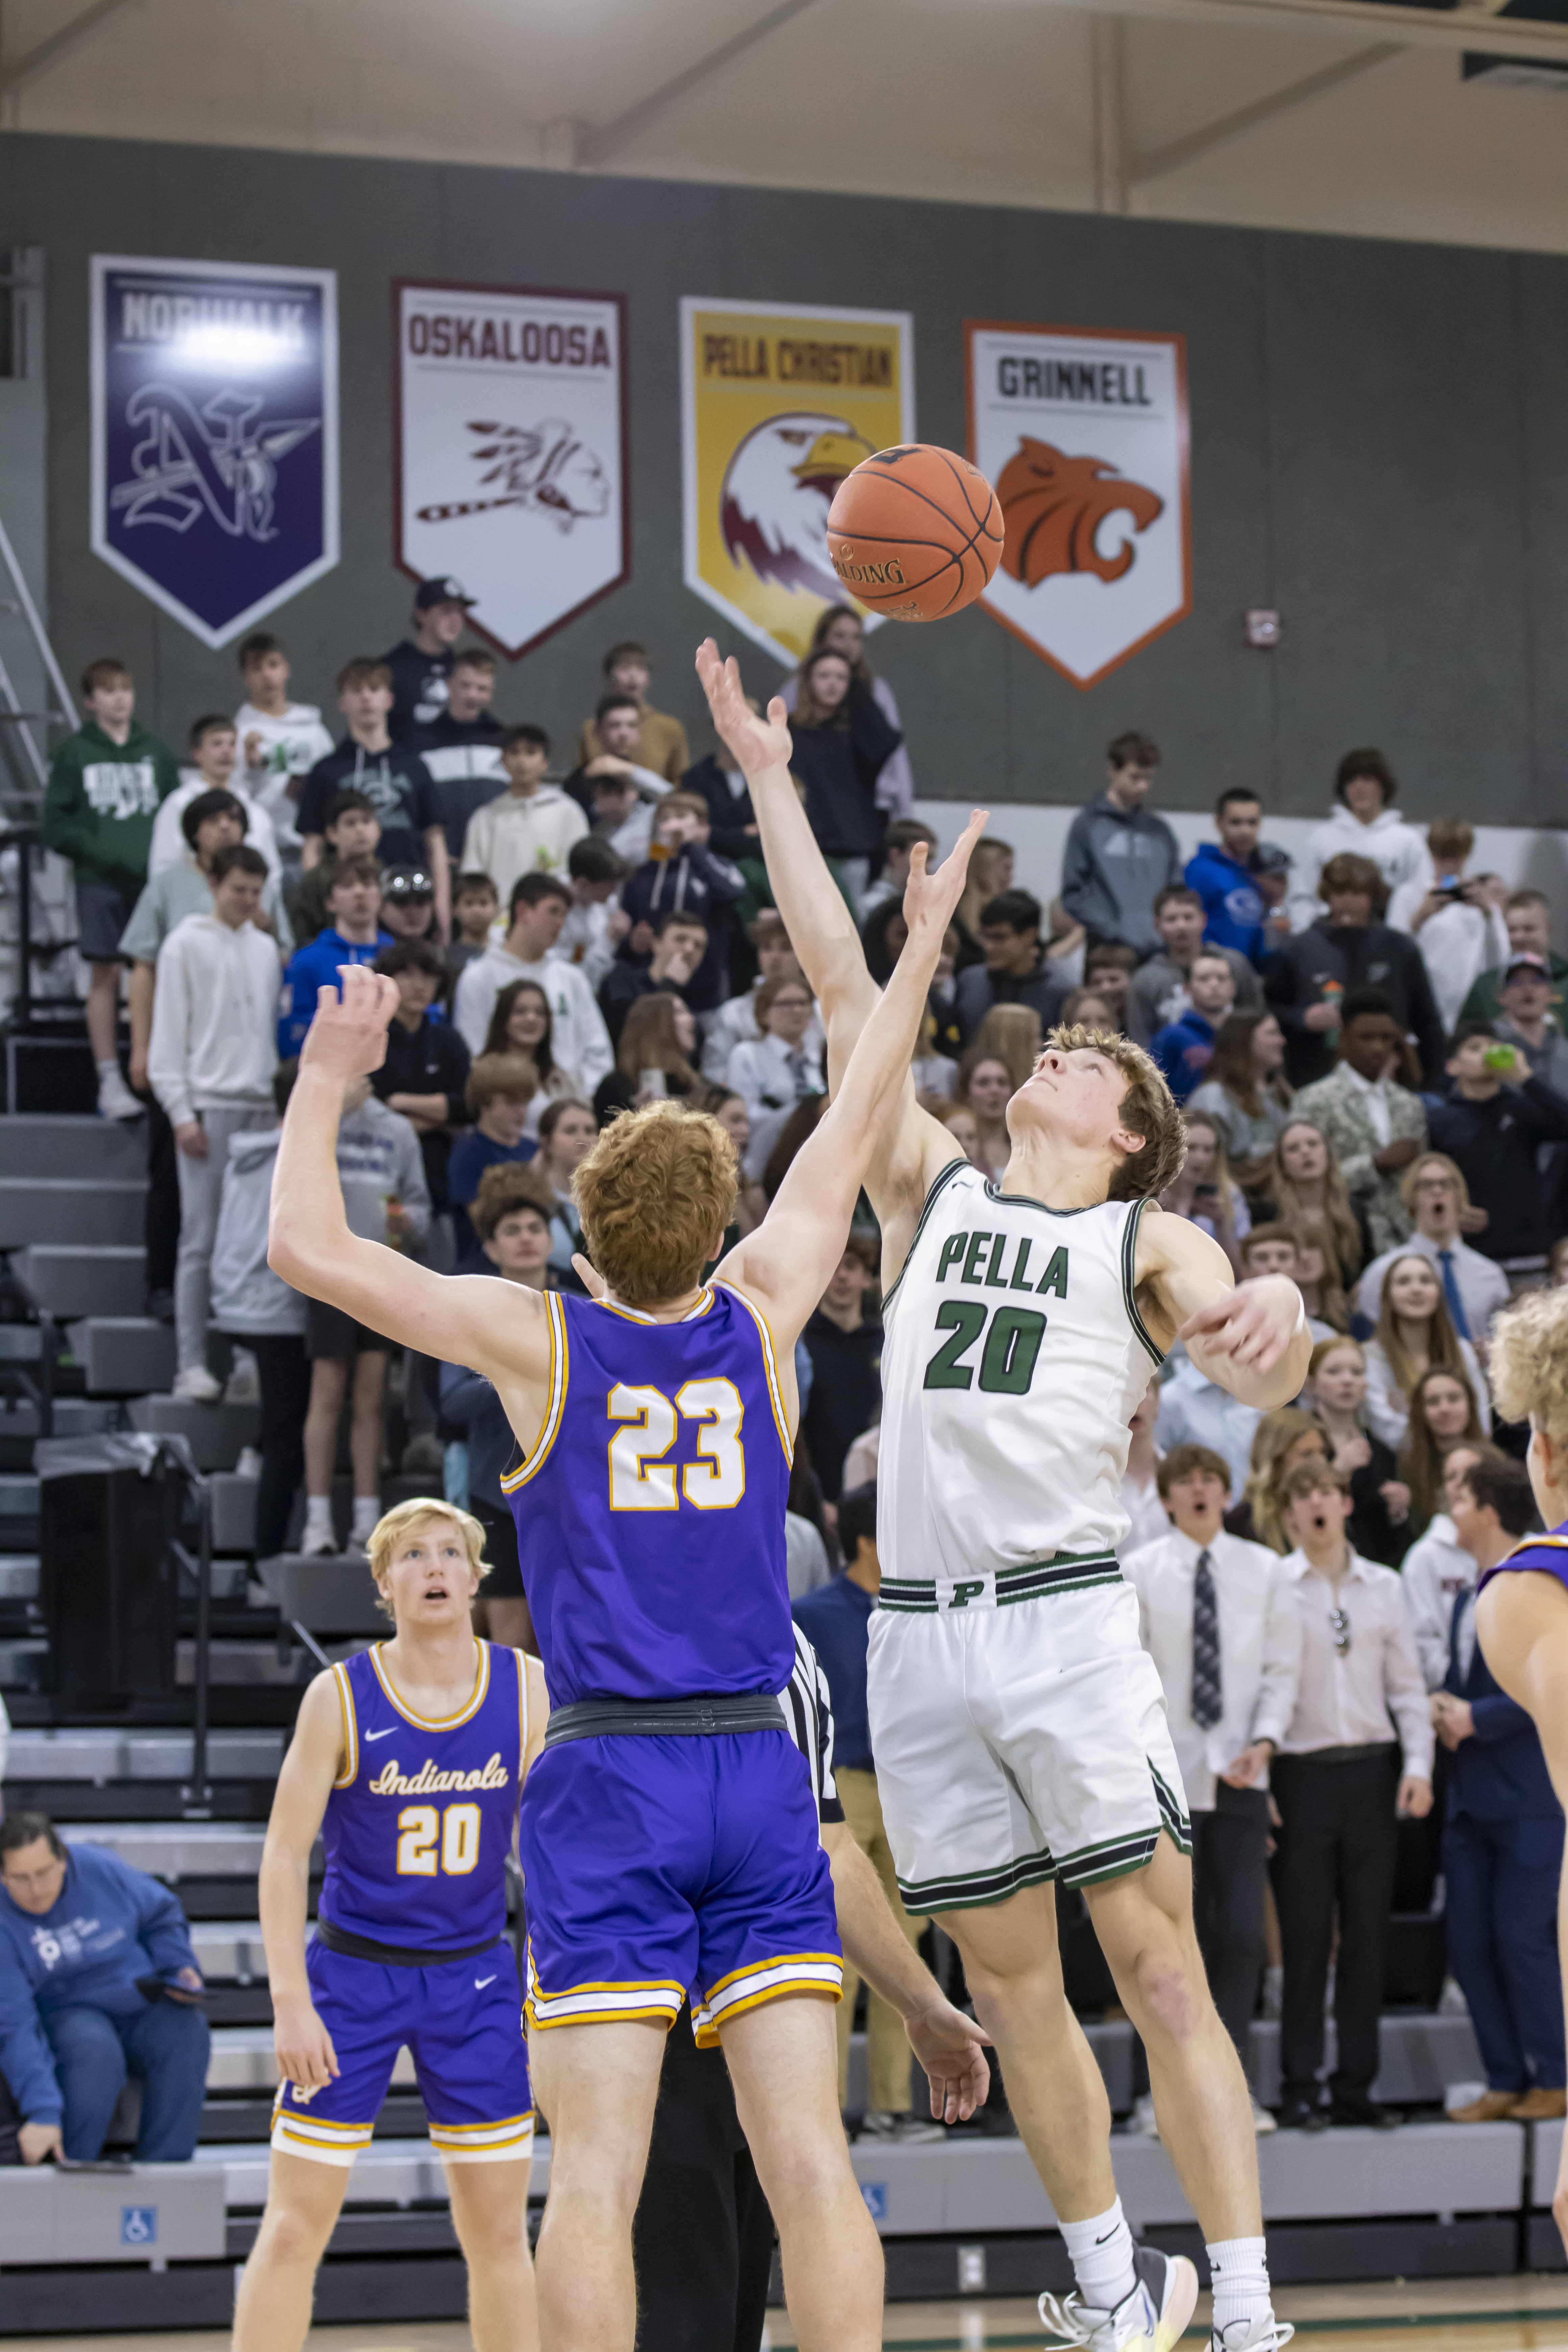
<point x="1206" y="1683"/>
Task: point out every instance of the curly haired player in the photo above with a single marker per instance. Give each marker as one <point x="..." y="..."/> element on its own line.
<point x="1019" y="1729"/>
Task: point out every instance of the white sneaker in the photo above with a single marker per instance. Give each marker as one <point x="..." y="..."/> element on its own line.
<point x="1153" y="2318"/>
<point x="903" y="2131"/>
<point x="249" y="1463"/>
<point x="195" y="1385"/>
<point x="115" y="1100"/>
<point x="244" y="1383"/>
<point x="1268" y="2334"/>
<point x="1140" y="2123"/>
<point x="1262" y="2121"/>
<point x="318" y="1544"/>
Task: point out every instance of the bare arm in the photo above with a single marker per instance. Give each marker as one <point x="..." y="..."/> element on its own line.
<point x="784" y="1266"/>
<point x="303" y="2045"/>
<point x="1253" y="1341"/>
<point x="441" y="876"/>
<point x="538" y="1711"/>
<point x="140" y="995"/>
<point x="949" y="2046"/>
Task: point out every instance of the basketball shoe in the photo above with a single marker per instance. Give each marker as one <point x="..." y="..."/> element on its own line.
<point x="1153" y="2318"/>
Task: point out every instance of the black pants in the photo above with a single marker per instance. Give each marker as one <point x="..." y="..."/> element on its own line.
<point x="285" y="1374"/>
<point x="160" y="1217"/>
<point x="1230" y="1870"/>
<point x="702" y="2239"/>
<point x="1336" y="1853"/>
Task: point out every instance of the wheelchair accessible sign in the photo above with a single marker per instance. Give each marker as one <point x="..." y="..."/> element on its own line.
<point x="139" y="2225"/>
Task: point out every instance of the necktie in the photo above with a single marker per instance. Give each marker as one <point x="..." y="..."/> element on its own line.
<point x="1206" y="1683"/>
<point x="797" y="1073"/>
<point x="1451" y="1293"/>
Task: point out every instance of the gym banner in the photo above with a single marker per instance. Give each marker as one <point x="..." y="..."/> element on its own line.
<point x="1084" y="434"/>
<point x="215" y="435"/>
<point x="512" y="451"/>
<point x="778" y="404"/>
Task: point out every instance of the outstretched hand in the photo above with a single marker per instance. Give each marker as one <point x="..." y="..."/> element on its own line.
<point x="757" y="743"/>
<point x="1248" y="1327"/>
<point x="932" y="899"/>
<point x="348" y="1036"/>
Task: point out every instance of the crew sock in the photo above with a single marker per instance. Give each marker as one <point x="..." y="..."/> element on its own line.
<point x="1100" y="2252"/>
<point x="1238" y="2272"/>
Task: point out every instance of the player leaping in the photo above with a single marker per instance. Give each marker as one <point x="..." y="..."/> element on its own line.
<point x="669" y="1835"/>
<point x="1019" y="1729"/>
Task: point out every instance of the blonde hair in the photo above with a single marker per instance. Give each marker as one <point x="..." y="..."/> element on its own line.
<point x="655" y="1195"/>
<point x="1342" y="1218"/>
<point x="392" y="1525"/>
<point x="1010" y="1034"/>
<point x="1442" y="1339"/>
<point x="1224" y="1183"/>
<point x="1528" y="1362"/>
<point x="500" y="1077"/>
<point x="1450" y="1168"/>
<point x="1333" y="1306"/>
<point x="1147" y="1107"/>
<point x="1272" y="1440"/>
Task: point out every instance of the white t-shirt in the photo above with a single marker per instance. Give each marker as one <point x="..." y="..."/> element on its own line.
<point x="291" y="743"/>
<point x="169" y="843"/>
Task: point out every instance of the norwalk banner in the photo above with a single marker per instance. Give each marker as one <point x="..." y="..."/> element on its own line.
<point x="779" y="403"/>
<point x="1084" y="434"/>
<point x="512" y="438"/>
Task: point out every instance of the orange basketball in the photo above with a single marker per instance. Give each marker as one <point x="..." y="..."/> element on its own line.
<point x="915" y="533"/>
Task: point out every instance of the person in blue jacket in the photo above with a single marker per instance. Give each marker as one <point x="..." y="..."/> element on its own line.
<point x="1502" y="1841"/>
<point x="353" y="935"/>
<point x="1185" y="1047"/>
<point x="81" y="1934"/>
<point x="1221" y="874"/>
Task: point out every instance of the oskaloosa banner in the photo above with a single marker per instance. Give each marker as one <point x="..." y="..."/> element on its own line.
<point x="1084" y="435"/>
<point x="215" y="434"/>
<point x="511" y="439"/>
<point x="779" y="403"/>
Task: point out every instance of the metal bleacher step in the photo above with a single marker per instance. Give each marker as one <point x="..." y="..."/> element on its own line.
<point x="99" y="1756"/>
<point x="73" y="1417"/>
<point x="234" y="1511"/>
<point x="71" y="1209"/>
<point x="71" y="1278"/>
<point x="123" y="1355"/>
<point x="177" y="1850"/>
<point x="19" y="1575"/>
<point x="84" y="1150"/>
<point x="216" y="1432"/>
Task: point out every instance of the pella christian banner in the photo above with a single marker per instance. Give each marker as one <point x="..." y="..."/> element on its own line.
<point x="512" y="441"/>
<point x="778" y="404"/>
<point x="215" y="434"/>
<point x="1084" y="434"/>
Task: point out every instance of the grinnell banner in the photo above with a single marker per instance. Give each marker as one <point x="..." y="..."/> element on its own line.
<point x="215" y="435"/>
<point x="512" y="447"/>
<point x="1084" y="435"/>
<point x="778" y="404"/>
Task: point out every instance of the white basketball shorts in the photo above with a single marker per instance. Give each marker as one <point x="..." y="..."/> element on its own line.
<point x="1018" y="1739"/>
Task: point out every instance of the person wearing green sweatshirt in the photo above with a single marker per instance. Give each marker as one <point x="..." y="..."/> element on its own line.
<point x="105" y="786"/>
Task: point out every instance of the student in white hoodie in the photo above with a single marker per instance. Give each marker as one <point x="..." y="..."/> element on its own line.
<point x="1367" y="823"/>
<point x="214" y="768"/>
<point x="279" y="741"/>
<point x="579" y="1040"/>
<point x="1455" y="918"/>
<point x="210" y="1061"/>
<point x="531" y="826"/>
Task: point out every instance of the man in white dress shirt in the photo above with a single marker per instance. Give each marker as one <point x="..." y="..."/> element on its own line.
<point x="1357" y="1754"/>
<point x="1219" y="1619"/>
<point x="1435" y="1192"/>
<point x="1437" y="1569"/>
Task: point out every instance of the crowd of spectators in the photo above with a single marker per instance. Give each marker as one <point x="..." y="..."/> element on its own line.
<point x="1367" y="1043"/>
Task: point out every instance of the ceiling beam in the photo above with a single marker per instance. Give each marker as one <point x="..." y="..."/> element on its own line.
<point x="1162" y="160"/>
<point x="47" y="54"/>
<point x="593" y="145"/>
<point x="1451" y="28"/>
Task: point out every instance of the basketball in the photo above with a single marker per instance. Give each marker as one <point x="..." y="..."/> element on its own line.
<point x="915" y="533"/>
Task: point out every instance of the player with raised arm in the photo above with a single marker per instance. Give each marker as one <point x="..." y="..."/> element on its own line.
<point x="1521" y="1605"/>
<point x="408" y="1760"/>
<point x="1019" y="1727"/>
<point x="669" y="1835"/>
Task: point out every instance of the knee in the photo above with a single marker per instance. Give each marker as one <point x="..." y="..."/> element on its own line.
<point x="292" y="2232"/>
<point x="492" y="2233"/>
<point x="1169" y="1989"/>
<point x="87" y="2048"/>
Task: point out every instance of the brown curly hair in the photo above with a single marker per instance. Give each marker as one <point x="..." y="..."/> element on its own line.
<point x="655" y="1195"/>
<point x="1147" y="1109"/>
<point x="505" y="1188"/>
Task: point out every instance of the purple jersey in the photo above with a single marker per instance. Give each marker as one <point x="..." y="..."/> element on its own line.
<point x="650" y="1518"/>
<point x="420" y="1821"/>
<point x="1547" y="1554"/>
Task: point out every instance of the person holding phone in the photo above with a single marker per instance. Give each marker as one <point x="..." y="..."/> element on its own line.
<point x="1495" y="1120"/>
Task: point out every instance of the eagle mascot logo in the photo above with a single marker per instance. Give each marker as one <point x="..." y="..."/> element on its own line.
<point x="776" y="491"/>
<point x="1054" y="506"/>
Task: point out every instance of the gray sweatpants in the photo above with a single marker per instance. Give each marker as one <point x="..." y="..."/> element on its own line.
<point x="201" y="1197"/>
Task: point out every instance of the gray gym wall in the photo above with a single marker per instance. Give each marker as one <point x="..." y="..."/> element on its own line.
<point x="1380" y="449"/>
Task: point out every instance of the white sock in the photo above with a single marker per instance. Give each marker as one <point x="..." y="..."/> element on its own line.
<point x="1100" y="2252"/>
<point x="367" y="1510"/>
<point x="1238" y="2272"/>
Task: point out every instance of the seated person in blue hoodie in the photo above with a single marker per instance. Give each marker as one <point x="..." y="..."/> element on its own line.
<point x="353" y="935"/>
<point x="81" y="1933"/>
<point x="1234" y="909"/>
<point x="1185" y="1047"/>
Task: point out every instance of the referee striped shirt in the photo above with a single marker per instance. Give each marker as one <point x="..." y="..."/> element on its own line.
<point x="808" y="1718"/>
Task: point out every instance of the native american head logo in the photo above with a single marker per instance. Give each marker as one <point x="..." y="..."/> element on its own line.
<point x="214" y="460"/>
<point x="1053" y="507"/>
<point x="776" y="491"/>
<point x="543" y="469"/>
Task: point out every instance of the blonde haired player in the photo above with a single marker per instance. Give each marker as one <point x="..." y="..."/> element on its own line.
<point x="1521" y="1605"/>
<point x="408" y="1759"/>
<point x="1018" y="1727"/>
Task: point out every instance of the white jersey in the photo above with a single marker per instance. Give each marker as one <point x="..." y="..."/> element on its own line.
<point x="1014" y="1360"/>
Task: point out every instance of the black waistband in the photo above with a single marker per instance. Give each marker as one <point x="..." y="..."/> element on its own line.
<point x="393" y="1955"/>
<point x="660" y="1718"/>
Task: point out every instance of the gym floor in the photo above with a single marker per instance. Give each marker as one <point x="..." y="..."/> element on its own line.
<point x="1487" y="2314"/>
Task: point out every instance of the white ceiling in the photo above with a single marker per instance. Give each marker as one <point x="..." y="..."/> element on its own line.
<point x="1031" y="102"/>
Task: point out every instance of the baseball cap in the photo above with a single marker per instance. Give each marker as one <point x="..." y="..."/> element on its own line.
<point x="1526" y="961"/>
<point x="444" y="591"/>
<point x="407" y="882"/>
<point x="1269" y="858"/>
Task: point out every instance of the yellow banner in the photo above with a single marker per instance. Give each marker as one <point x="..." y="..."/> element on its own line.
<point x="779" y="403"/>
